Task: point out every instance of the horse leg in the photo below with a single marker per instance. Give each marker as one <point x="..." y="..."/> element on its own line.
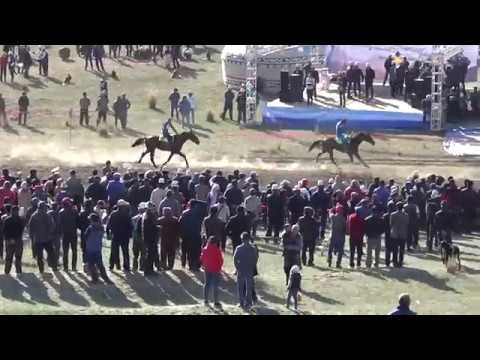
<point x="319" y="154"/>
<point x="166" y="162"/>
<point x="142" y="156"/>
<point x="185" y="158"/>
<point x="357" y="155"/>
<point x="331" y="157"/>
<point x="350" y="156"/>
<point x="152" y="158"/>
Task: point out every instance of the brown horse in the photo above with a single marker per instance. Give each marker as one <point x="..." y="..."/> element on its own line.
<point x="152" y="143"/>
<point x="330" y="144"/>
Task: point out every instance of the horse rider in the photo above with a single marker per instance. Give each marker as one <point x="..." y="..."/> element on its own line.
<point x="343" y="136"/>
<point x="166" y="134"/>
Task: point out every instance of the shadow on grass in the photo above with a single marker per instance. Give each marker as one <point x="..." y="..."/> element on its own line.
<point x="103" y="295"/>
<point x="54" y="80"/>
<point x="11" y="130"/>
<point x="36" y="82"/>
<point x="188" y="72"/>
<point x="37" y="290"/>
<point x="33" y="129"/>
<point x="199" y="127"/>
<point x="134" y="133"/>
<point x="158" y="110"/>
<point x="405" y="274"/>
<point x="11" y="289"/>
<point x="317" y="297"/>
<point x="15" y="85"/>
<point x="66" y="291"/>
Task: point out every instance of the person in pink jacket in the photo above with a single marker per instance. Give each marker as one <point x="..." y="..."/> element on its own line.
<point x="212" y="262"/>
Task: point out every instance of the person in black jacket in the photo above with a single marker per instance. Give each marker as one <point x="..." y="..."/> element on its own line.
<point x="121" y="227"/>
<point x="309" y="230"/>
<point x="68" y="222"/>
<point x="150" y="231"/>
<point x="350" y="75"/>
<point x="228" y="105"/>
<point x="468" y="202"/>
<point x="389" y="244"/>
<point x="234" y="197"/>
<point x="96" y="191"/>
<point x="432" y="207"/>
<point x="369" y="77"/>
<point x="296" y="203"/>
<point x="387" y="65"/>
<point x="88" y="53"/>
<point x="374" y="228"/>
<point x="275" y="213"/>
<point x="13" y="227"/>
<point x="444" y="223"/>
<point x="237" y="225"/>
<point x="342" y="88"/>
<point x="83" y="224"/>
<point x="242" y="106"/>
<point x="357" y="79"/>
<point x="320" y="201"/>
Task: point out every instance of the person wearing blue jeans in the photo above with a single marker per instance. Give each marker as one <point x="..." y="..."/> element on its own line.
<point x="245" y="259"/>
<point x="211" y="259"/>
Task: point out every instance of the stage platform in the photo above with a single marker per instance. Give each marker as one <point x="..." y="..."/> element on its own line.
<point x="376" y="115"/>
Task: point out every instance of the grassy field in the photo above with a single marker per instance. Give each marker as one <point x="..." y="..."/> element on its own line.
<point x="44" y="144"/>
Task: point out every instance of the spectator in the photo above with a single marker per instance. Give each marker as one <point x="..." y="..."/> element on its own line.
<point x="403" y="306"/>
<point x="320" y="201"/>
<point x="102" y="109"/>
<point x="369" y="77"/>
<point x="68" y="223"/>
<point x="40" y="227"/>
<point x="296" y="204"/>
<point x="337" y="236"/>
<point x="228" y="105"/>
<point x="292" y="243"/>
<point x="193" y="106"/>
<point x="84" y="108"/>
<point x="93" y="249"/>
<point x="242" y="106"/>
<point x="23" y="104"/>
<point x="356" y="230"/>
<point x="3" y="113"/>
<point x="138" y="248"/>
<point x="24" y="197"/>
<point x="252" y="205"/>
<point x="211" y="259"/>
<point x="123" y="107"/>
<point x="120" y="227"/>
<point x="190" y="231"/>
<point x="469" y="202"/>
<point x="398" y="234"/>
<point x="294" y="285"/>
<point x="13" y="227"/>
<point x="309" y="229"/>
<point x="3" y="67"/>
<point x="444" y="223"/>
<point x="185" y="109"/>
<point x="96" y="191"/>
<point x="115" y="190"/>
<point x="149" y="229"/>
<point x="169" y="233"/>
<point x="245" y="259"/>
<point x="275" y="213"/>
<point x="374" y="228"/>
<point x="158" y="194"/>
<point x="174" y="99"/>
<point x="234" y="197"/>
<point x="83" y="224"/>
<point x="389" y="245"/>
<point x="98" y="54"/>
<point x="172" y="203"/>
<point x="220" y="180"/>
<point x="413" y="213"/>
<point x="223" y="209"/>
<point x="236" y="226"/>
<point x="213" y="226"/>
<point x="75" y="188"/>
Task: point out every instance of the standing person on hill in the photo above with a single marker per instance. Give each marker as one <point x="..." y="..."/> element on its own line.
<point x="124" y="106"/>
<point x="369" y="77"/>
<point x="84" y="108"/>
<point x="228" y="104"/>
<point x="23" y="104"/>
<point x="309" y="229"/>
<point x="13" y="227"/>
<point x="374" y="228"/>
<point x="88" y="52"/>
<point x="398" y="234"/>
<point x="342" y="88"/>
<point x="93" y="249"/>
<point x="245" y="259"/>
<point x="236" y="226"/>
<point x="68" y="224"/>
<point x="193" y="106"/>
<point x="387" y="65"/>
<point x="174" y="99"/>
<point x="211" y="259"/>
<point x="169" y="238"/>
<point x="3" y="113"/>
<point x="102" y="109"/>
<point x="3" y="67"/>
<point x="120" y="226"/>
<point x="292" y="243"/>
<point x="242" y="106"/>
<point x="40" y="227"/>
<point x="98" y="54"/>
<point x="337" y="236"/>
<point x="356" y="230"/>
<point x="184" y="107"/>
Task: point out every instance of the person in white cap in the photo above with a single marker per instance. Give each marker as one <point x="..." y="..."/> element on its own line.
<point x="159" y="193"/>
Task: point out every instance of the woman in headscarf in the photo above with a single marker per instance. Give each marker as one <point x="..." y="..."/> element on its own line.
<point x="212" y="196"/>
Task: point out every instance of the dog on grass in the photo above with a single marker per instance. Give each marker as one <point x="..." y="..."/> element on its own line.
<point x="448" y="250"/>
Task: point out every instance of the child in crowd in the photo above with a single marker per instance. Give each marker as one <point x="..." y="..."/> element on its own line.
<point x="294" y="285"/>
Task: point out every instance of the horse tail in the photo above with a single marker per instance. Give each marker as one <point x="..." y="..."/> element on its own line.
<point x="315" y="144"/>
<point x="139" y="141"/>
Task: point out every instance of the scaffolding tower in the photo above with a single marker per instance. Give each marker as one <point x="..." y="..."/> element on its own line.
<point x="251" y="83"/>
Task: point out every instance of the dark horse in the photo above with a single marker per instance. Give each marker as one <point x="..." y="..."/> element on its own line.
<point x="152" y="143"/>
<point x="330" y="144"/>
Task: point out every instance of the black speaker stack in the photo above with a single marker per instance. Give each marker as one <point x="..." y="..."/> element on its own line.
<point x="291" y="87"/>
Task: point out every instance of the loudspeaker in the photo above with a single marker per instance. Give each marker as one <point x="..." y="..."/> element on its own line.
<point x="284" y="81"/>
<point x="296" y="87"/>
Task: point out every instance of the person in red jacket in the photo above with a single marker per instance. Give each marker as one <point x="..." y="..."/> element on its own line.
<point x="7" y="195"/>
<point x="356" y="229"/>
<point x="212" y="262"/>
